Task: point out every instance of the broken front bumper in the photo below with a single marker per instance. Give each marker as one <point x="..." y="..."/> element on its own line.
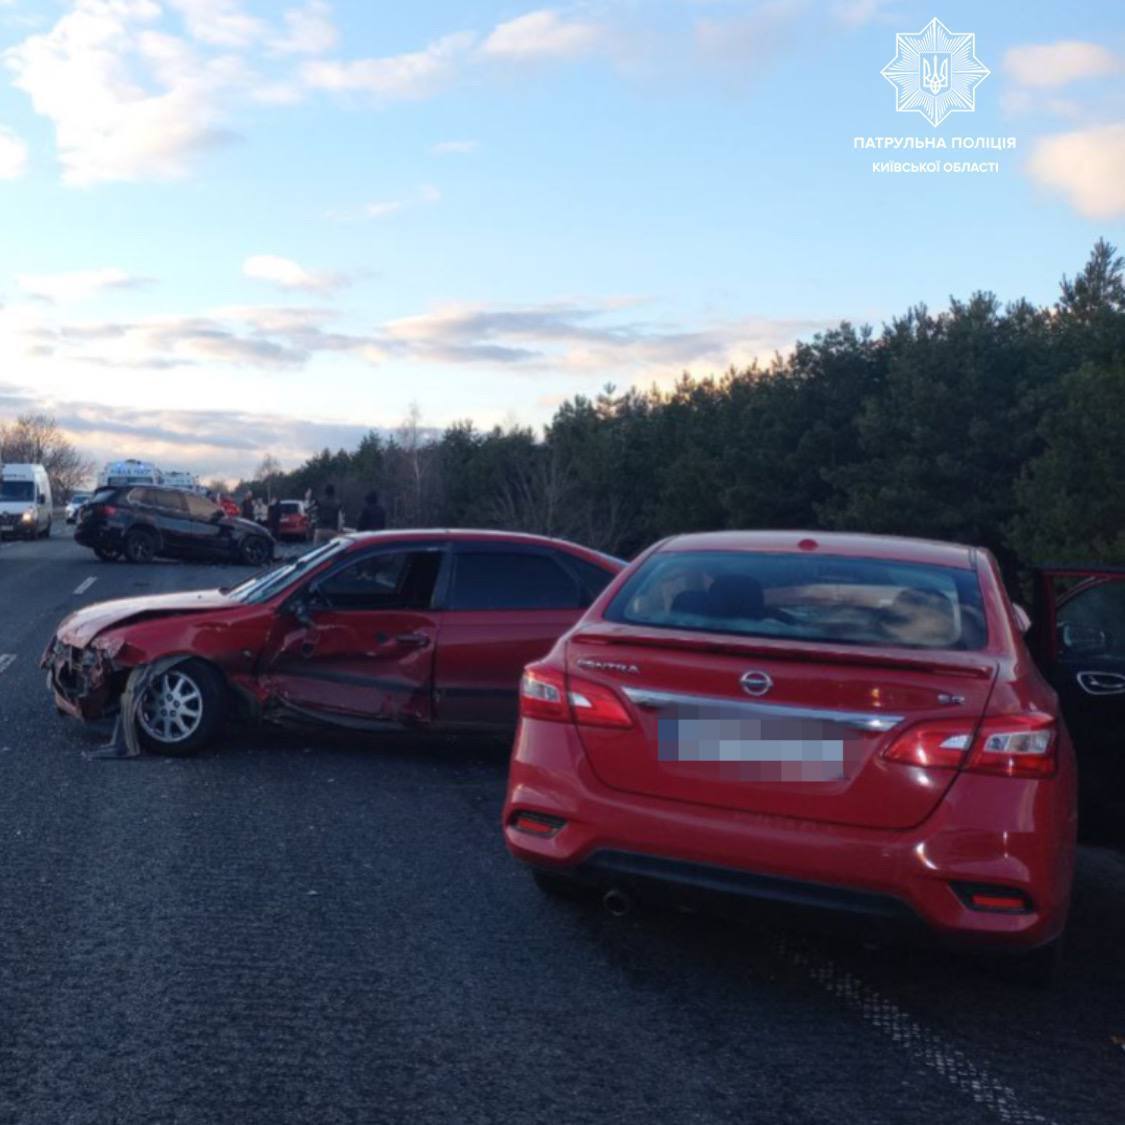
<point x="81" y="679"/>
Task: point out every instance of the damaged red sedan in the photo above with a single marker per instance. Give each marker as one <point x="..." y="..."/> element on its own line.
<point x="380" y="631"/>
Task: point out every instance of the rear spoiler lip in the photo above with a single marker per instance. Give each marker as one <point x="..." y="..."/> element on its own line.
<point x="976" y="666"/>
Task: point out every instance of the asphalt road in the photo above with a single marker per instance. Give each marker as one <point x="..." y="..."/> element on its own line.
<point x="296" y="928"/>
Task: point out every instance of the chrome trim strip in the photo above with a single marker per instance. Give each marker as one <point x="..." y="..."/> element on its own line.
<point x="875" y="722"/>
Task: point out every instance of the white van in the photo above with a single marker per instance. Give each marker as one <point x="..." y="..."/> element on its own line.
<point x="25" y="501"/>
<point x="122" y="474"/>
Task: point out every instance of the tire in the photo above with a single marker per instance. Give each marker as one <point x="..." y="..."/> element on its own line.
<point x="46" y="533"/>
<point x="140" y="546"/>
<point x="255" y="550"/>
<point x="106" y="554"/>
<point x="182" y="709"/>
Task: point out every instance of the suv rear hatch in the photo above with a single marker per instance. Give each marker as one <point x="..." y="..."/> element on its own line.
<point x="783" y="726"/>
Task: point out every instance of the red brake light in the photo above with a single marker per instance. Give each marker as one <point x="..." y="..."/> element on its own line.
<point x="537" y="824"/>
<point x="1020" y="745"/>
<point x="548" y="693"/>
<point x="937" y="745"/>
<point x="107" y="509"/>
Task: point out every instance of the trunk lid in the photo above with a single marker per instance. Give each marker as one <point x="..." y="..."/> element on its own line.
<point x="779" y="728"/>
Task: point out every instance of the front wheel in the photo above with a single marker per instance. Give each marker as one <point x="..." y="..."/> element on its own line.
<point x="181" y="709"/>
<point x="255" y="551"/>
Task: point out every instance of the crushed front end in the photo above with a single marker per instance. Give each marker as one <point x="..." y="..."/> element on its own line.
<point x="86" y="681"/>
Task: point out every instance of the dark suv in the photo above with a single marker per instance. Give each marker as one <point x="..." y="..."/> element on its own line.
<point x="142" y="522"/>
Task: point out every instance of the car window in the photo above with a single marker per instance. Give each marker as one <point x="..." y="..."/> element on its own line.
<point x="593" y="578"/>
<point x="1091" y="622"/>
<point x="168" y="500"/>
<point x="199" y="507"/>
<point x="511" y="580"/>
<point x="811" y="598"/>
<point x="17" y="490"/>
<point x="290" y="508"/>
<point x="397" y="580"/>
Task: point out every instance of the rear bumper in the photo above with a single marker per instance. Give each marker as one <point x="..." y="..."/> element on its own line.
<point x="91" y="534"/>
<point x="993" y="831"/>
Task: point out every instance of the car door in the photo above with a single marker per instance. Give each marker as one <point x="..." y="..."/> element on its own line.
<point x="505" y="606"/>
<point x="164" y="509"/>
<point x="1079" y="639"/>
<point x="207" y="533"/>
<point x="359" y="641"/>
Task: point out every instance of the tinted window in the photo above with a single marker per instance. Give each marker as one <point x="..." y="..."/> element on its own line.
<point x="402" y="580"/>
<point x="290" y="508"/>
<point x="593" y="578"/>
<point x="199" y="507"/>
<point x="499" y="580"/>
<point x="808" y="598"/>
<point x="1092" y="621"/>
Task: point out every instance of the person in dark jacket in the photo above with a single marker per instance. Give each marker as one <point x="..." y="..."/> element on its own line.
<point x="327" y="516"/>
<point x="372" y="517"/>
<point x="248" y="506"/>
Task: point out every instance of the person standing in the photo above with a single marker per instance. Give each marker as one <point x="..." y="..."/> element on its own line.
<point x="327" y="516"/>
<point x="372" y="516"/>
<point x="273" y="517"/>
<point x="248" y="506"/>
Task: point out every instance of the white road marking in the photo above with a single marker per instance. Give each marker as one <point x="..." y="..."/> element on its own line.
<point x="84" y="585"/>
<point x="7" y="659"/>
<point x="927" y="1047"/>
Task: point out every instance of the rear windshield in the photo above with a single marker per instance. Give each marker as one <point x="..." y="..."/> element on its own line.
<point x="830" y="599"/>
<point x="290" y="508"/>
<point x="17" y="490"/>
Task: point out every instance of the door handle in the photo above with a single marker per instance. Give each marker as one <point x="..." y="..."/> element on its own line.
<point x="1101" y="683"/>
<point x="413" y="640"/>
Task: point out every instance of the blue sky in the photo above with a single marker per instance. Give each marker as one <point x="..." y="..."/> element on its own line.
<point x="235" y="228"/>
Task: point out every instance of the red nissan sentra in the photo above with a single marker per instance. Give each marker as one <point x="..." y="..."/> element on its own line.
<point x="842" y="721"/>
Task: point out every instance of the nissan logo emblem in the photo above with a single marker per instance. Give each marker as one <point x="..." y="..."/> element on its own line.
<point x="756" y="683"/>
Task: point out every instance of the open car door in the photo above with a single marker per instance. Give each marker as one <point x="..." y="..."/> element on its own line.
<point x="1078" y="636"/>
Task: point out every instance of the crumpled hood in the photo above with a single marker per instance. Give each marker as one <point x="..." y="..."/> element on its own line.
<point x="82" y="627"/>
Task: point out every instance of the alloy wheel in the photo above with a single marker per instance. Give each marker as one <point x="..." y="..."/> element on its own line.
<point x="171" y="708"/>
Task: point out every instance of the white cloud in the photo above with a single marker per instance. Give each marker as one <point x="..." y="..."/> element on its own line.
<point x="287" y="274"/>
<point x="855" y="13"/>
<point x="415" y="75"/>
<point x="309" y="30"/>
<point x="428" y="193"/>
<point x="1087" y="166"/>
<point x="383" y="208"/>
<point x="13" y="155"/>
<point x="542" y="34"/>
<point x="77" y="285"/>
<point x="127" y="102"/>
<point x="445" y="147"/>
<point x="222" y="23"/>
<point x="1058" y="64"/>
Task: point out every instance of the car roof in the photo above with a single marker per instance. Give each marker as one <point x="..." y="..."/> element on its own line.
<point x="894" y="548"/>
<point x="467" y="534"/>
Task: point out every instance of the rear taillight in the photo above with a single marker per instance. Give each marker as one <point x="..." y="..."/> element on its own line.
<point x="105" y="510"/>
<point x="548" y="693"/>
<point x="1015" y="746"/>
<point x="1005" y="745"/>
<point x="993" y="899"/>
<point x="937" y="745"/>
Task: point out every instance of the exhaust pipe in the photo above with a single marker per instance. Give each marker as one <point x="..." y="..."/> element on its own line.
<point x="617" y="902"/>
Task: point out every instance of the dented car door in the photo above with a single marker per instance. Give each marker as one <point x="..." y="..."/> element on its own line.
<point x="358" y="642"/>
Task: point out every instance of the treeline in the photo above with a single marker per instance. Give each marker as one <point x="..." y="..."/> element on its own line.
<point x="1001" y="426"/>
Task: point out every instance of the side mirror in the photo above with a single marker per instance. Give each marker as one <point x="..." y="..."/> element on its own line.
<point x="42" y="498"/>
<point x="1023" y="619"/>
